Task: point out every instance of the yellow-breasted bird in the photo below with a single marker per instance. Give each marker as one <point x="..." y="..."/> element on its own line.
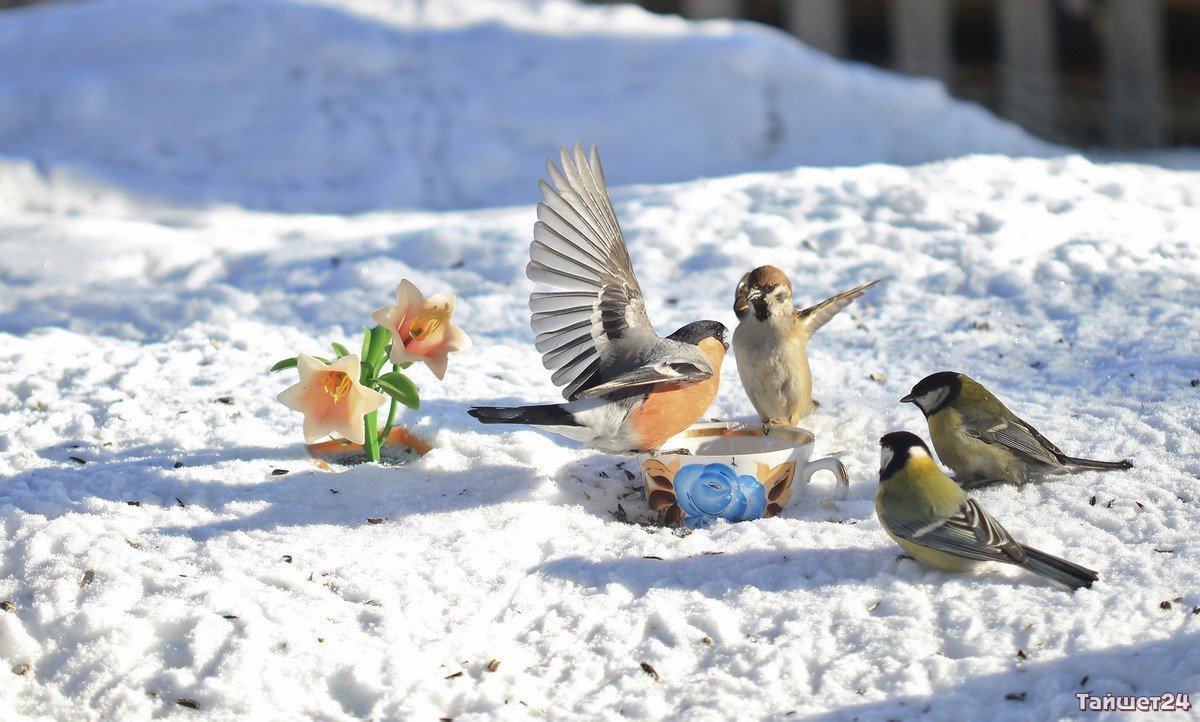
<point x="770" y="342"/>
<point x="981" y="440"/>
<point x="938" y="524"/>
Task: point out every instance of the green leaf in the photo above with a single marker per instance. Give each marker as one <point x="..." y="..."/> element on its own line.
<point x="366" y="344"/>
<point x="339" y="349"/>
<point x="400" y="388"/>
<point x="378" y="349"/>
<point x="287" y="363"/>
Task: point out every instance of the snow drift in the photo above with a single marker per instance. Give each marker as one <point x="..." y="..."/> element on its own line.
<point x="292" y="106"/>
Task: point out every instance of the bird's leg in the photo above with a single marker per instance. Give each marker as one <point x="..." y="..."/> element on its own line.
<point x="972" y="484"/>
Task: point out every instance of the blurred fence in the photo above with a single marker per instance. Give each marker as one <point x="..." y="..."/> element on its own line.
<point x="1115" y="73"/>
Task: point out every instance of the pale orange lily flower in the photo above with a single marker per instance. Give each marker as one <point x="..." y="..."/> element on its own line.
<point x="421" y="328"/>
<point x="331" y="398"/>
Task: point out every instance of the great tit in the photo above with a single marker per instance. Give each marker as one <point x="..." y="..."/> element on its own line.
<point x="938" y="524"/>
<point x="981" y="440"/>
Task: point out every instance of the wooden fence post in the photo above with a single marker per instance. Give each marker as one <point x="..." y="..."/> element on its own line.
<point x="1131" y="35"/>
<point x="819" y="23"/>
<point x="1029" y="87"/>
<point x="921" y="30"/>
<point x="708" y="9"/>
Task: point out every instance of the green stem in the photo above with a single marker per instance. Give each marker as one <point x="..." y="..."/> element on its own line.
<point x="370" y="440"/>
<point x="391" y="417"/>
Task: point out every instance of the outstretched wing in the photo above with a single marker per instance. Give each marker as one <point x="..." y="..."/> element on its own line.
<point x="578" y="251"/>
<point x="1013" y="434"/>
<point x="673" y="372"/>
<point x="814" y="317"/>
<point x="971" y="532"/>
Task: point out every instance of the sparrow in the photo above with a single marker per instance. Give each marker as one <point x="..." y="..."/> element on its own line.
<point x="627" y="389"/>
<point x="981" y="440"/>
<point x="938" y="524"/>
<point x="770" y="342"/>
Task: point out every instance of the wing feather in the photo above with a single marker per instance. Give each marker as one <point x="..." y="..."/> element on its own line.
<point x="971" y="533"/>
<point x="546" y="302"/>
<point x="579" y="252"/>
<point x="569" y="373"/>
<point x="816" y="316"/>
<point x="650" y="376"/>
<point x="561" y="260"/>
<point x="1013" y="434"/>
<point x="553" y="340"/>
<point x="547" y="321"/>
<point x="541" y="273"/>
<point x="564" y="234"/>
<point x="566" y="351"/>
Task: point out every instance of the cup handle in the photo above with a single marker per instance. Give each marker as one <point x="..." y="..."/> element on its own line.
<point x="833" y="466"/>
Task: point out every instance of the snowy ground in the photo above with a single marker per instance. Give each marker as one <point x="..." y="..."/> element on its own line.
<point x="151" y="553"/>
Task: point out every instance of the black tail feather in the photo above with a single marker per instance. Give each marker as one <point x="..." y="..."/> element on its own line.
<point x="1060" y="571"/>
<point x="546" y="415"/>
<point x="1093" y="464"/>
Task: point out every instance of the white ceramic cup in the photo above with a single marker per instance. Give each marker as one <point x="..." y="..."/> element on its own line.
<point x="732" y="471"/>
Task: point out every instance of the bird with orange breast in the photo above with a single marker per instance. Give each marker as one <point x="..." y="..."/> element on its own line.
<point x="770" y="342"/>
<point x="626" y="388"/>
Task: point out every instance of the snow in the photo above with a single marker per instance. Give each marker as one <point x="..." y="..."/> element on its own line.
<point x="174" y="564"/>
<point x="303" y="107"/>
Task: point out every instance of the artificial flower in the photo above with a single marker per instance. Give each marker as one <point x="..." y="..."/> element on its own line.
<point x="421" y="328"/>
<point x="707" y="492"/>
<point x="331" y="398"/>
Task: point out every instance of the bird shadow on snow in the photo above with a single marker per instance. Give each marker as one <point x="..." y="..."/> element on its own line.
<point x="264" y="500"/>
<point x="716" y="575"/>
<point x="1046" y="690"/>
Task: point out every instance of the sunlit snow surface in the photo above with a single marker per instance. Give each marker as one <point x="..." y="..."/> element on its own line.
<point x="172" y="564"/>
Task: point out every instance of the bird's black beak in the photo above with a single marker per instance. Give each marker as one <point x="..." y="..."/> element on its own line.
<point x="759" y="302"/>
<point x="907" y="399"/>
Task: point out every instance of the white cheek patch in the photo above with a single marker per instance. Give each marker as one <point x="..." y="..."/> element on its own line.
<point x="933" y="399"/>
<point x="916" y="452"/>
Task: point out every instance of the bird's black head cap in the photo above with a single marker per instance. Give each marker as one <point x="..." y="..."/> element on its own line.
<point x="895" y="450"/>
<point x="697" y="331"/>
<point x="935" y="391"/>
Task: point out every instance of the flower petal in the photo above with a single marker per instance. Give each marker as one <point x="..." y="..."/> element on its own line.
<point x="437" y="363"/>
<point x="323" y="414"/>
<point x="307" y="365"/>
